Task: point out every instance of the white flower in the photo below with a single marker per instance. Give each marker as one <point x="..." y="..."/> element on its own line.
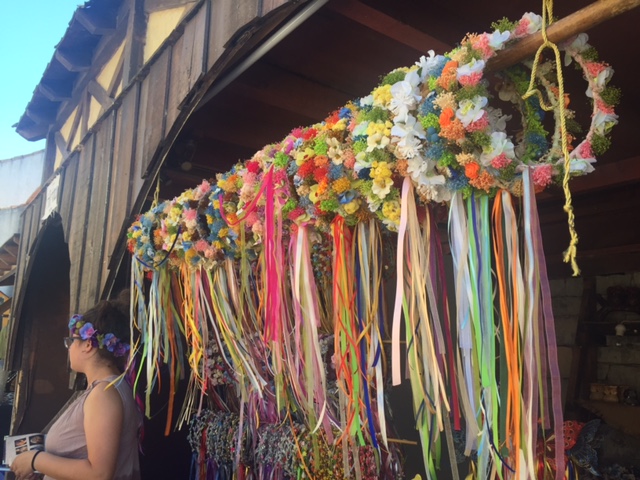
<point x="508" y="93"/>
<point x="535" y="22"/>
<point x="405" y="96"/>
<point x="374" y="203"/>
<point x="409" y="146"/>
<point x="434" y="193"/>
<point x="366" y="101"/>
<point x="581" y="166"/>
<point x="470" y="111"/>
<point x="419" y="168"/>
<point x="500" y="143"/>
<point x="497" y="121"/>
<point x="428" y="64"/>
<point x="497" y="39"/>
<point x="390" y="225"/>
<point x="409" y="127"/>
<point x="335" y="152"/>
<point x="601" y="80"/>
<point x="361" y="162"/>
<point x="377" y="140"/>
<point x="360" y="129"/>
<point x="603" y="122"/>
<point x="381" y="187"/>
<point x="474" y="66"/>
<point x="578" y="44"/>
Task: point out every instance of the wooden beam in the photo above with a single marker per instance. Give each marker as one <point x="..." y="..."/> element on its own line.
<point x="95" y="25"/>
<point x="61" y="143"/>
<point x="56" y="91"/>
<point x="44" y="116"/>
<point x="274" y="86"/>
<point x="388" y="26"/>
<point x="73" y="61"/>
<point x="578" y="22"/>
<point x="100" y="94"/>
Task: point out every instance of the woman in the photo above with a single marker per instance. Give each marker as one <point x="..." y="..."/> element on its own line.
<point x="97" y="436"/>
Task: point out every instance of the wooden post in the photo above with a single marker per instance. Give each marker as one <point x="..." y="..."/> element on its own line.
<point x="578" y="22"/>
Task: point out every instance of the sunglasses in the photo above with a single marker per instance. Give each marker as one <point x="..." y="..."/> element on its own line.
<point x="68" y="341"/>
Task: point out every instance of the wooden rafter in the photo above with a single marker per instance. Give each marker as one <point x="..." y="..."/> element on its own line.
<point x="580" y="21"/>
<point x="388" y="26"/>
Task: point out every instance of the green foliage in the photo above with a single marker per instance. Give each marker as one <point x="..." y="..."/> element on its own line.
<point x="320" y="146"/>
<point x="359" y="146"/>
<point x="503" y="25"/>
<point x="376" y="114"/>
<point x="289" y="206"/>
<point x="392" y="78"/>
<point x="481" y="139"/>
<point x="611" y="95"/>
<point x="600" y="144"/>
<point x="469" y="92"/>
<point x="281" y="160"/>
<point x="573" y="126"/>
<point x="429" y="120"/>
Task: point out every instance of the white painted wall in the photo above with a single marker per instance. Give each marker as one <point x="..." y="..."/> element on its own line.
<point x="19" y="178"/>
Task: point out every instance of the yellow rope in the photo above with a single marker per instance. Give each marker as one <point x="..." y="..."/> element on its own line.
<point x="156" y="194"/>
<point x="547" y="18"/>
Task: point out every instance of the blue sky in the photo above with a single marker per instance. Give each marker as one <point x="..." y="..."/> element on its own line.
<point x="29" y="32"/>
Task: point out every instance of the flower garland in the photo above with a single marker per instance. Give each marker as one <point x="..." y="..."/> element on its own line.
<point x="431" y="122"/>
<point x="85" y="330"/>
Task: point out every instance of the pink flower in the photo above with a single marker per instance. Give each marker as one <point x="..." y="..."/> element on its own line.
<point x="349" y="160"/>
<point x="280" y="176"/>
<point x="542" y="175"/>
<point x="594" y="68"/>
<point x="479" y="125"/>
<point x="500" y="161"/>
<point x="204" y="188"/>
<point x="585" y="151"/>
<point x="605" y="108"/>
<point x="251" y="219"/>
<point x="481" y="43"/>
<point x="201" y="245"/>
<point x="258" y="229"/>
<point x="470" y="80"/>
<point x="521" y="29"/>
<point x="190" y="214"/>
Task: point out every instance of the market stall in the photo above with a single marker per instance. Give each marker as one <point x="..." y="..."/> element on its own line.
<point x="266" y="287"/>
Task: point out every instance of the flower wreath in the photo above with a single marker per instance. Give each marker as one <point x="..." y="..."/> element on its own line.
<point x="85" y="330"/>
<point x="431" y="122"/>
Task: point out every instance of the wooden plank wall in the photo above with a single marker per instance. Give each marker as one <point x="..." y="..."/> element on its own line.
<point x="122" y="182"/>
<point x="104" y="179"/>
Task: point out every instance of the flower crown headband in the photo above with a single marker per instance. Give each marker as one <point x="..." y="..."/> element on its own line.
<point x="86" y="331"/>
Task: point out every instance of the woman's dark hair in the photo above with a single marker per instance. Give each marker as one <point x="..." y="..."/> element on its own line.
<point x="111" y="316"/>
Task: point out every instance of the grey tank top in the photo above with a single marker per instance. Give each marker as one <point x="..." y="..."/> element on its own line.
<point x="66" y="436"/>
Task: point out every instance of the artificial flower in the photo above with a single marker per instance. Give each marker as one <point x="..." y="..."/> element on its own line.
<point x="405" y="96"/>
<point x="500" y="144"/>
<point x="471" y="110"/>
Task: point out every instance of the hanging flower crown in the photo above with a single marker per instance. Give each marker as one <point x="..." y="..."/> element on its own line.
<point x="438" y="122"/>
<point x="86" y="331"/>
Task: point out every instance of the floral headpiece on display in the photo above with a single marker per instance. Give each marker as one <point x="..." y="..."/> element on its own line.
<point x="85" y="330"/>
<point x="435" y="122"/>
